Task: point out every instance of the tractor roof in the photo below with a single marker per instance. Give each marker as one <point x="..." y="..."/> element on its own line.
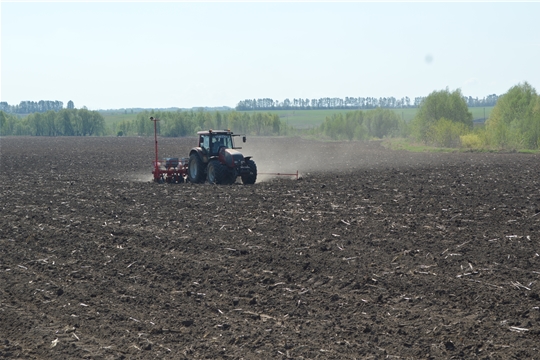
<point x="221" y="132"/>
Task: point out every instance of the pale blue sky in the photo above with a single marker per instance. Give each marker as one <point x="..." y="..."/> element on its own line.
<point x="180" y="54"/>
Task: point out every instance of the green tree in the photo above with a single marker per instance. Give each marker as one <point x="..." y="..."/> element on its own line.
<point x="514" y="121"/>
<point x="97" y="124"/>
<point x="124" y="127"/>
<point x="382" y="123"/>
<point x="36" y="123"/>
<point x="276" y="124"/>
<point x="218" y="119"/>
<point x="233" y="120"/>
<point x="245" y="123"/>
<point x="258" y="123"/>
<point x="64" y="121"/>
<point x="447" y="133"/>
<point x="360" y="125"/>
<point x="144" y="126"/>
<point x="50" y="123"/>
<point x="8" y="123"/>
<point x="438" y="105"/>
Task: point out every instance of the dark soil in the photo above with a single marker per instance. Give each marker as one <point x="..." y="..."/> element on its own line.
<point x="371" y="254"/>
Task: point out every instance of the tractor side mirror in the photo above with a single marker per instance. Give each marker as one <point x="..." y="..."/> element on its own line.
<point x="244" y="139"/>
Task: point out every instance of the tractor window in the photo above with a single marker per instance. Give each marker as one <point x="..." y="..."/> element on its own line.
<point x="204" y="142"/>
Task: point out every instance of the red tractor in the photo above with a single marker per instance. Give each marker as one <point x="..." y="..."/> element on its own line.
<point x="215" y="159"/>
<point x="218" y="161"/>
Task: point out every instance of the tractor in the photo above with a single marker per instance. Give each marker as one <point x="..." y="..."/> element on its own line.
<point x="215" y="159"/>
<point x="218" y="161"/>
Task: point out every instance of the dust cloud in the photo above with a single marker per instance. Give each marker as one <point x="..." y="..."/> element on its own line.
<point x="142" y="177"/>
<point x="289" y="155"/>
<point x="312" y="157"/>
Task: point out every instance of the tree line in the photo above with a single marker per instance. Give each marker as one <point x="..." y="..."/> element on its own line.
<point x="187" y="123"/>
<point x="443" y="119"/>
<point x="83" y="122"/>
<point x="349" y="103"/>
<point x="362" y="125"/>
<point x="66" y="122"/>
<point x="28" y="107"/>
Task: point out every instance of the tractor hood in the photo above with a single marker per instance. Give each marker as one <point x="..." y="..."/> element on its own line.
<point x="230" y="157"/>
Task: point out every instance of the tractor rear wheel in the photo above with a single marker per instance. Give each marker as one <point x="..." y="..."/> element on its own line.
<point x="250" y="178"/>
<point x="195" y="169"/>
<point x="216" y="172"/>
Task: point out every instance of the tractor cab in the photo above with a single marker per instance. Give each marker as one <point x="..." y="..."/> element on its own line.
<point x="211" y="141"/>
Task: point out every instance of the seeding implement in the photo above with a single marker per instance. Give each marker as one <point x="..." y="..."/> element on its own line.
<point x="170" y="170"/>
<point x="215" y="160"/>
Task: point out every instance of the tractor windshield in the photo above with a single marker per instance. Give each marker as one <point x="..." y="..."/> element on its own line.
<point x="219" y="140"/>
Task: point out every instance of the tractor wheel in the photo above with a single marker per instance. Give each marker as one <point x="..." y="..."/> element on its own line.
<point x="250" y="178"/>
<point x="230" y="176"/>
<point x="195" y="169"/>
<point x="216" y="172"/>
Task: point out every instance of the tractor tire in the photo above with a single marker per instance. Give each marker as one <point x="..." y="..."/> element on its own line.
<point x="195" y="169"/>
<point x="230" y="176"/>
<point x="250" y="178"/>
<point x="216" y="173"/>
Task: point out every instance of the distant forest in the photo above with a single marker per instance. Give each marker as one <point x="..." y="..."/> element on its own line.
<point x="42" y="106"/>
<point x="351" y="103"/>
<point x="29" y="107"/>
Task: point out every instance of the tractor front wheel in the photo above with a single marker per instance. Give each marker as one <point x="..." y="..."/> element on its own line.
<point x="250" y="178"/>
<point x="230" y="176"/>
<point x="195" y="169"/>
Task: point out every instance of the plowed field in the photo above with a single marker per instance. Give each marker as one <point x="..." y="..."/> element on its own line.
<point x="371" y="254"/>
